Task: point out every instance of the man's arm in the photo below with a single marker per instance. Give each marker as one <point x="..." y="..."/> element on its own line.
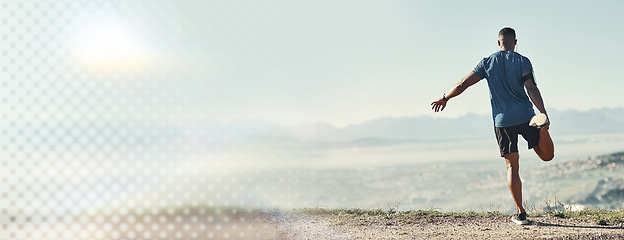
<point x="536" y="97"/>
<point x="456" y="90"/>
<point x="534" y="94"/>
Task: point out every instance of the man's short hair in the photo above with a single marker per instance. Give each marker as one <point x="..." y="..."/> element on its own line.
<point x="507" y="33"/>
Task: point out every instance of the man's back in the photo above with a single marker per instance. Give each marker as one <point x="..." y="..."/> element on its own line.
<point x="503" y="71"/>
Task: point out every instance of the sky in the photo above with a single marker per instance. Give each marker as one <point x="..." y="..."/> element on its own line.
<point x="346" y="62"/>
<point x="338" y="62"/>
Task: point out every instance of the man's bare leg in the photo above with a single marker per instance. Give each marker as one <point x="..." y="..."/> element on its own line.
<point x="513" y="180"/>
<point x="545" y="148"/>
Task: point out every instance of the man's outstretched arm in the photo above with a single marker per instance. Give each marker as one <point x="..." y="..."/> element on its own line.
<point x="457" y="89"/>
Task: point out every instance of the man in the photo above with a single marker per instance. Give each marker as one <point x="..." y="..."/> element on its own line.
<point x="508" y="74"/>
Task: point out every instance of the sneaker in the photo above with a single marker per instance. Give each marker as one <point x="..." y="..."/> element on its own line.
<point x="520" y="219"/>
<point x="539" y="120"/>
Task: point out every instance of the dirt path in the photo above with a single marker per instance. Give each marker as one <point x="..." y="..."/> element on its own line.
<point x="301" y="226"/>
<point x="279" y="225"/>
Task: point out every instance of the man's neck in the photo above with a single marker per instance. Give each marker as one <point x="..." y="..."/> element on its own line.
<point x="504" y="49"/>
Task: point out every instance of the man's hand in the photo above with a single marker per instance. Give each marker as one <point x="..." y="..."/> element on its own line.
<point x="438" y="105"/>
<point x="462" y="85"/>
<point x="547" y="125"/>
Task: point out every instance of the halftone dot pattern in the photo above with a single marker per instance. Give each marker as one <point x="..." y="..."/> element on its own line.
<point x="104" y="132"/>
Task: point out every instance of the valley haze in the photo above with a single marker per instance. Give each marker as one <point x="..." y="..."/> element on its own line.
<point x="416" y="162"/>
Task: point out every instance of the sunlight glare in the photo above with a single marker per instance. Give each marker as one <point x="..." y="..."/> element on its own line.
<point x="109" y="44"/>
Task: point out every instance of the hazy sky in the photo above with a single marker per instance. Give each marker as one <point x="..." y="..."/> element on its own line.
<point x="338" y="62"/>
<point x="350" y="61"/>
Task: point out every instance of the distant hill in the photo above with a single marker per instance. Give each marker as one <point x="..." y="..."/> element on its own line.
<point x="605" y="120"/>
<point x="393" y="130"/>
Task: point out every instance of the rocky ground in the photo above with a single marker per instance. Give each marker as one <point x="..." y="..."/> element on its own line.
<point x="298" y="224"/>
<point x="303" y="226"/>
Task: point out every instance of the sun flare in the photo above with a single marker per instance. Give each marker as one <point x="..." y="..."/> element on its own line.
<point x="109" y="44"/>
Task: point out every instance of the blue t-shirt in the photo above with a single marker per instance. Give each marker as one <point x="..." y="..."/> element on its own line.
<point x="510" y="104"/>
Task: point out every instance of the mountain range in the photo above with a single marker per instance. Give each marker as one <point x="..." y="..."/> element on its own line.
<point x="424" y="128"/>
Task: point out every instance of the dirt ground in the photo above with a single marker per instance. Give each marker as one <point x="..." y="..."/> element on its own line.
<point x="301" y="226"/>
<point x="283" y="225"/>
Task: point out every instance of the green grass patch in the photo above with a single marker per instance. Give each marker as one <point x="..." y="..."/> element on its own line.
<point x="600" y="216"/>
<point x="432" y="212"/>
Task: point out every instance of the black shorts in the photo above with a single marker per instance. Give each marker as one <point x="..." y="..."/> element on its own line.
<point x="507" y="137"/>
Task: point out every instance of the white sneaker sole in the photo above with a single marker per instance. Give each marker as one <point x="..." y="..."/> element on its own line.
<point x="539" y="120"/>
<point x="520" y="222"/>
